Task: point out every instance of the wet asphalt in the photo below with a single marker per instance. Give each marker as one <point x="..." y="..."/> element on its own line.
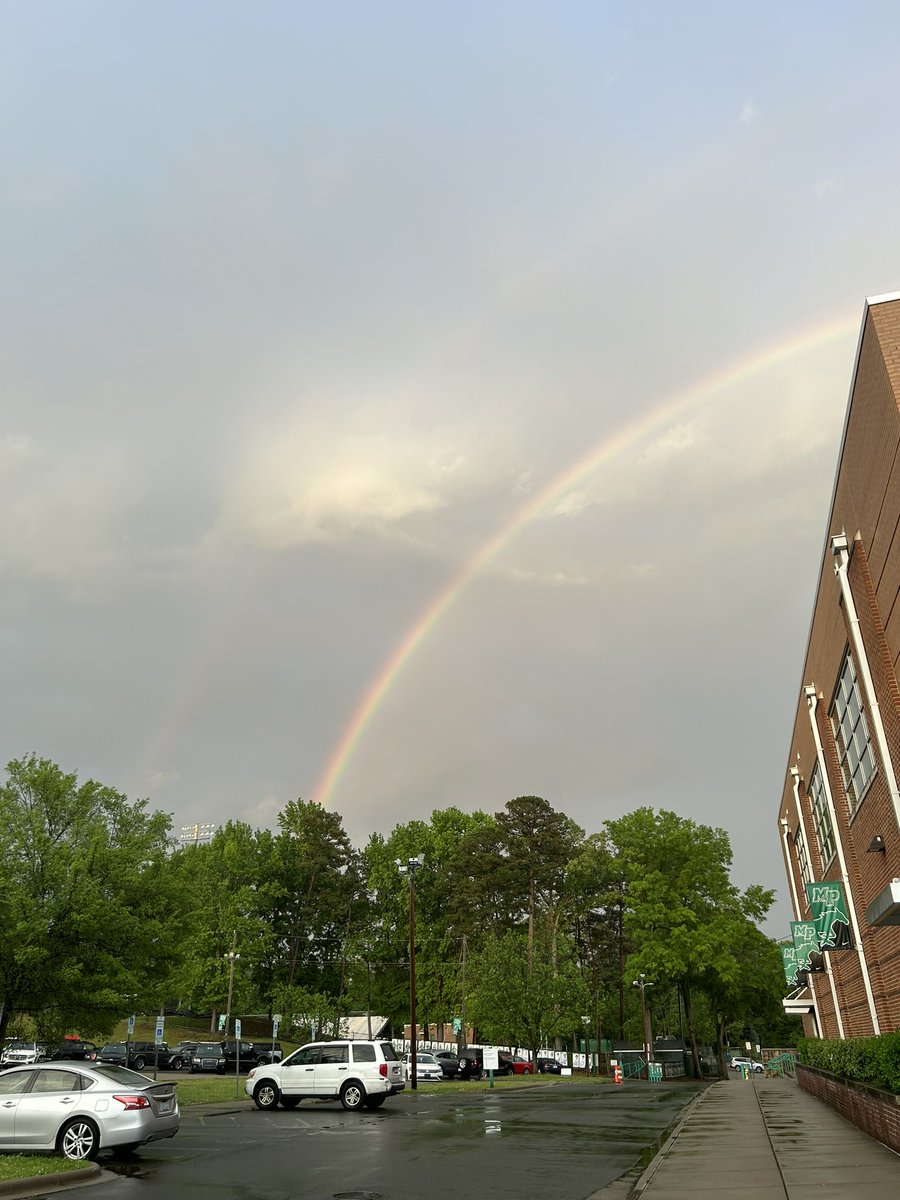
<point x="562" y="1142"/>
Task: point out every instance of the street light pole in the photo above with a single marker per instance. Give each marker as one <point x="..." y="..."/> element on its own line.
<point x="409" y="869"/>
<point x="642" y="983"/>
<point x="232" y="956"/>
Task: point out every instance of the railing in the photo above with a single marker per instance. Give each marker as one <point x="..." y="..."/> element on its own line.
<point x="782" y="1064"/>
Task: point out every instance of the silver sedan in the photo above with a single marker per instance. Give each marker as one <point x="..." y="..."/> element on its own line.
<point x="79" y="1109"/>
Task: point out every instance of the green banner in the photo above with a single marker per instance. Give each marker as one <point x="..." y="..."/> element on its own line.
<point x="806" y="943"/>
<point x="789" y="957"/>
<point x="828" y="906"/>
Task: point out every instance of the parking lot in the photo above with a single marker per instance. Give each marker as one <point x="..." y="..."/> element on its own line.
<point x="560" y="1142"/>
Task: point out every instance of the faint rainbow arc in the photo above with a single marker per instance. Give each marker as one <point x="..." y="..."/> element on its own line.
<point x="615" y="443"/>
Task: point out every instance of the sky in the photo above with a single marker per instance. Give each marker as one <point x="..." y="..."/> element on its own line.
<point x="411" y="405"/>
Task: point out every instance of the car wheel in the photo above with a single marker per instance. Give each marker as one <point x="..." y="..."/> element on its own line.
<point x="138" y="1064"/>
<point x="526" y="1070"/>
<point x="79" y="1140"/>
<point x="375" y="1101"/>
<point x="265" y="1094"/>
<point x="176" y="1064"/>
<point x="290" y="1101"/>
<point x="353" y="1095"/>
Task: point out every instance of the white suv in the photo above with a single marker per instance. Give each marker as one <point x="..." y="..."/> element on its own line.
<point x="359" y="1074"/>
<point x="17" y="1054"/>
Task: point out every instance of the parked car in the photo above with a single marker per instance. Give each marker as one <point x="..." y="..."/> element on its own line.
<point x="182" y="1055"/>
<point x="449" y="1061"/>
<point x="360" y="1074"/>
<point x="81" y="1108"/>
<point x="74" y="1049"/>
<point x="208" y="1056"/>
<point x="471" y="1063"/>
<point x="265" y="1052"/>
<point x="428" y="1069"/>
<point x="547" y="1066"/>
<point x="239" y="1055"/>
<point x="736" y="1062"/>
<point x="17" y="1054"/>
<point x="138" y="1055"/>
<point x="520" y="1065"/>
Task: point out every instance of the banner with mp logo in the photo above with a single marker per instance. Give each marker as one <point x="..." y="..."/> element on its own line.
<point x="828" y="906"/>
<point x="789" y="958"/>
<point x="806" y="943"/>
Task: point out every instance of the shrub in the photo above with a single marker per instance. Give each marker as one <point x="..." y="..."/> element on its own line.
<point x="874" y="1060"/>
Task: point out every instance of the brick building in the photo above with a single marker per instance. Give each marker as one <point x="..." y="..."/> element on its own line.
<point x="839" y="817"/>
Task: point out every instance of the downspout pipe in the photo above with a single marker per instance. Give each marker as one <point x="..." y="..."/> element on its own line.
<point x="840" y="548"/>
<point x="800" y="909"/>
<point x="812" y="701"/>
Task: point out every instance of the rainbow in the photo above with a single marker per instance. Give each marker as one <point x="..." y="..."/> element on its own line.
<point x="614" y="444"/>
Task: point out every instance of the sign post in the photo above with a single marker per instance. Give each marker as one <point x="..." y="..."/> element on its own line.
<point x="491" y="1061"/>
<point x="158" y="1037"/>
<point x="237" y="1056"/>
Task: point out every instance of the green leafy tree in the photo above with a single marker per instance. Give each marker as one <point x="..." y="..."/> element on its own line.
<point x="89" y="912"/>
<point x="681" y="903"/>
<point x="520" y="1004"/>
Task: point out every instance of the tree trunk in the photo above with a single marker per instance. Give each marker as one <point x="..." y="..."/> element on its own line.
<point x="689" y="1017"/>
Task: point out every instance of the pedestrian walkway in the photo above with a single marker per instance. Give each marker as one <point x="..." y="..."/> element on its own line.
<point x="766" y="1139"/>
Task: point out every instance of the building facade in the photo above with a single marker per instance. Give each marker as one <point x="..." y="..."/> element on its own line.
<point x="839" y="816"/>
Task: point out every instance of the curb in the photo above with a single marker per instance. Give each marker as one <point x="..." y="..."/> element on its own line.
<point x="663" y="1151"/>
<point x="58" y="1181"/>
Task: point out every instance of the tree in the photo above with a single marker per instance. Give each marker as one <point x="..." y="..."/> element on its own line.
<point x="521" y="1004"/>
<point x="88" y="910"/>
<point x="681" y="903"/>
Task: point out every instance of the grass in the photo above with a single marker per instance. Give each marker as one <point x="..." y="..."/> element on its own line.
<point x="26" y="1166"/>
<point x="210" y="1089"/>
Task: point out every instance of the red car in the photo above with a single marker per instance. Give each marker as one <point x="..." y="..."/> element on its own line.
<point x="517" y="1064"/>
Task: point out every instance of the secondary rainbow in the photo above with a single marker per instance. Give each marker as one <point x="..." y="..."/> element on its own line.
<point x="622" y="439"/>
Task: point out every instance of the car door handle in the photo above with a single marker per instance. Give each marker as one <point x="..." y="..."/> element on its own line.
<point x="67" y="1100"/>
<point x="342" y="1068"/>
<point x="9" y="1103"/>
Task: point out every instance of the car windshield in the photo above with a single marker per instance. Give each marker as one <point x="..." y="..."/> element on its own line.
<point x="20" y="1046"/>
<point x="426" y="1058"/>
<point x="209" y="1048"/>
<point x="110" y="1047"/>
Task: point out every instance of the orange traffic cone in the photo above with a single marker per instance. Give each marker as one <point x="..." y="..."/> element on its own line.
<point x="617" y="1074"/>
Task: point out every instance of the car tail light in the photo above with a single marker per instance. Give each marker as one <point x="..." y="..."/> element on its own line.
<point x="382" y="1070"/>
<point x="132" y="1102"/>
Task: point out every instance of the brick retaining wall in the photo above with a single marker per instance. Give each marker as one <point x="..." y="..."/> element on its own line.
<point x="870" y="1109"/>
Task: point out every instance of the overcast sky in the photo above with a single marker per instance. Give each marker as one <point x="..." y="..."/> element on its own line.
<point x="413" y="405"/>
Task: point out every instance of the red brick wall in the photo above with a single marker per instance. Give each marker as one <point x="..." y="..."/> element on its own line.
<point x="875" y="1112"/>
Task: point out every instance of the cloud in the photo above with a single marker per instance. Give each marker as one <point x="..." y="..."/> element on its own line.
<point x="308" y="486"/>
<point x="824" y="186"/>
<point x="748" y="113"/>
<point x="674" y="443"/>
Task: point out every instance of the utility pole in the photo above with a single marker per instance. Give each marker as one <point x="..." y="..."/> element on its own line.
<point x="409" y="869"/>
<point x="642" y="983"/>
<point x="232" y="956"/>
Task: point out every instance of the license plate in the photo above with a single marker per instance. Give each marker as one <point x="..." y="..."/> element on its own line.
<point x="167" y="1105"/>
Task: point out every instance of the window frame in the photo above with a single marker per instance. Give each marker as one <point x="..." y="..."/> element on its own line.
<point x="821" y="815"/>
<point x="846" y="698"/>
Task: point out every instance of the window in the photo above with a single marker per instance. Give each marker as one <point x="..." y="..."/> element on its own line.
<point x="17" y="1081"/>
<point x="56" y="1081"/>
<point x="365" y="1052"/>
<point x="335" y="1052"/>
<point x="802" y="856"/>
<point x="851" y="735"/>
<point x="821" y="816"/>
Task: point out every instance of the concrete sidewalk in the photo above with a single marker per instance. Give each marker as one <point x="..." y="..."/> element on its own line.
<point x="765" y="1139"/>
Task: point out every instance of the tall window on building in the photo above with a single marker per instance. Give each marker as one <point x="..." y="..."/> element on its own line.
<point x="851" y="735"/>
<point x="802" y="856"/>
<point x="821" y="816"/>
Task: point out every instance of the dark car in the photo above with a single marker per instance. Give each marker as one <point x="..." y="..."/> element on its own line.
<point x="267" y="1052"/>
<point x="182" y="1055"/>
<point x="471" y="1063"/>
<point x="75" y="1049"/>
<point x="208" y="1056"/>
<point x="227" y="1056"/>
<point x="139" y="1056"/>
<point x="548" y="1066"/>
<point x="449" y="1061"/>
